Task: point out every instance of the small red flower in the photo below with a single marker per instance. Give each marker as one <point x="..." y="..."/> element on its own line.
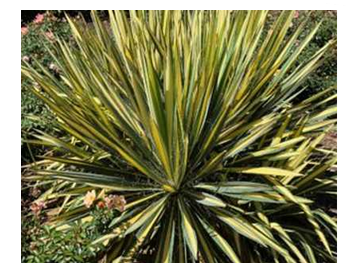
<point x="101" y="205"/>
<point x="296" y="14"/>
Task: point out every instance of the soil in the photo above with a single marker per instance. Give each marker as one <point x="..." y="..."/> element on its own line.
<point x="330" y="141"/>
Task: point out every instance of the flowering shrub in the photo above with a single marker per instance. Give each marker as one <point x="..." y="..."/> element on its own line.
<point x="42" y="243"/>
<point x="36" y="38"/>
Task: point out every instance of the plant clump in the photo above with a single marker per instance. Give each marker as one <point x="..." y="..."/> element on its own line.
<point x="194" y="118"/>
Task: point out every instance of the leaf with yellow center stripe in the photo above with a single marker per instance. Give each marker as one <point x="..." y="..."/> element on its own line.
<point x="188" y="232"/>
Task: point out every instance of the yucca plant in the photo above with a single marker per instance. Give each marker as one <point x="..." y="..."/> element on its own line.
<point x="192" y="116"/>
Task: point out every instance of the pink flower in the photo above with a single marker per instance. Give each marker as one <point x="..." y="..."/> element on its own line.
<point x="296" y="14"/>
<point x="89" y="198"/>
<point x="39" y="18"/>
<point x="50" y="35"/>
<point x="115" y="202"/>
<point x="37" y="207"/>
<point x="24" y="30"/>
<point x="26" y="59"/>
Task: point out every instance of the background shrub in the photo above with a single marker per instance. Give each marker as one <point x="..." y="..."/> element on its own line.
<point x="326" y="75"/>
<point x="37" y="38"/>
<point x="42" y="243"/>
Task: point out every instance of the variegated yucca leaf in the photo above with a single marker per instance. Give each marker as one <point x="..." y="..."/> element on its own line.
<point x="193" y="116"/>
